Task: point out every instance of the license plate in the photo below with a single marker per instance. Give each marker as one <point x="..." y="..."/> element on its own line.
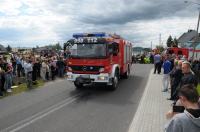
<point x="85" y="76"/>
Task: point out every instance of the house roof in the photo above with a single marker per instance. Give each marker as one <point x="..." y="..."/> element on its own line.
<point x="2" y="48"/>
<point x="138" y="49"/>
<point x="43" y="49"/>
<point x="188" y="36"/>
<point x="196" y="39"/>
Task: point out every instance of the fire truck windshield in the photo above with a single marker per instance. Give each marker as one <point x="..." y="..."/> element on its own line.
<point x="88" y="51"/>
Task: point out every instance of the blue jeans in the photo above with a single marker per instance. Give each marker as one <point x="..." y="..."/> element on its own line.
<point x="29" y="82"/>
<point x="61" y="72"/>
<point x="8" y="81"/>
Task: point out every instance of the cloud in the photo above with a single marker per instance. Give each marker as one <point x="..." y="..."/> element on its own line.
<point x="122" y="11"/>
<point x="10" y="7"/>
<point x="48" y="21"/>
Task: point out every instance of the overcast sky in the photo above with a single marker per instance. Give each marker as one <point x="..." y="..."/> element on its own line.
<point x="40" y="22"/>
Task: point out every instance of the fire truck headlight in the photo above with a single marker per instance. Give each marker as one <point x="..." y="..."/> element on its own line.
<point x="101" y="69"/>
<point x="102" y="78"/>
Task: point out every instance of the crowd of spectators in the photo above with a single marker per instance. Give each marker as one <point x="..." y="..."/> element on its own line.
<point x="182" y="78"/>
<point x="31" y="68"/>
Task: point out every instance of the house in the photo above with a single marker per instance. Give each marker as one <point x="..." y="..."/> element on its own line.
<point x="186" y="40"/>
<point x="22" y="50"/>
<point x="2" y="49"/>
<point x="138" y="50"/>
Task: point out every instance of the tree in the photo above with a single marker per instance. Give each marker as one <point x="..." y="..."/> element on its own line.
<point x="33" y="49"/>
<point x="67" y="45"/>
<point x="147" y="49"/>
<point x="9" y="49"/>
<point x="169" y="41"/>
<point x="58" y="47"/>
<point x="175" y="43"/>
<point x="160" y="48"/>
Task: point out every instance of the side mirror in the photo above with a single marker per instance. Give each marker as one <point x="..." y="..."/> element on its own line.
<point x="110" y="49"/>
<point x="115" y="48"/>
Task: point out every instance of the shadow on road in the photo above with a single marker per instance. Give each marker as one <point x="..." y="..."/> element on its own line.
<point x="121" y="96"/>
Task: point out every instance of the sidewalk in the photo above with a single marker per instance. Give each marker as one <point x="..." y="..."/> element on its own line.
<point x="150" y="115"/>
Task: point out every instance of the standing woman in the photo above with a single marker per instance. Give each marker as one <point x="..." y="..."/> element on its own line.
<point x="43" y="70"/>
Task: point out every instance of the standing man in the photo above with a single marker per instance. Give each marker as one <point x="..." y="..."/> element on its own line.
<point x="157" y="61"/>
<point x="166" y="76"/>
<point x="34" y="73"/>
<point x="28" y="68"/>
<point x="187" y="78"/>
<point x="53" y="68"/>
<point x="19" y="66"/>
<point x="61" y="66"/>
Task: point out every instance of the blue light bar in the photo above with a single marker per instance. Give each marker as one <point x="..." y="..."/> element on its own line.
<point x="79" y="35"/>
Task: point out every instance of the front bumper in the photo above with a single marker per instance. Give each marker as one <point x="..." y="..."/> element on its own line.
<point x="89" y="78"/>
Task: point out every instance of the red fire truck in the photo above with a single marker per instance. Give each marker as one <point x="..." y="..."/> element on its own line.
<point x="98" y="58"/>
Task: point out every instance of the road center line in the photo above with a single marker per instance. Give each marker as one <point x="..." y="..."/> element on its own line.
<point x="18" y="126"/>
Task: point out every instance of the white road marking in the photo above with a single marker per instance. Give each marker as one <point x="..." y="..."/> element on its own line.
<point x="26" y="122"/>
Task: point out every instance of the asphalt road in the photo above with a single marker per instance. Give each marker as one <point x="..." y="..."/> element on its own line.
<point x="58" y="107"/>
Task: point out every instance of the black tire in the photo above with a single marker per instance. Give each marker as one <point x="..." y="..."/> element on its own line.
<point x="115" y="82"/>
<point x="78" y="85"/>
<point x="127" y="73"/>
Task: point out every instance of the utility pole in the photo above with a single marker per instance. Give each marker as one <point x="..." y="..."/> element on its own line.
<point x="160" y="39"/>
<point x="195" y="43"/>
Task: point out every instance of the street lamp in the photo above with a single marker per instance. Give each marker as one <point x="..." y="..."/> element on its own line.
<point x="197" y="35"/>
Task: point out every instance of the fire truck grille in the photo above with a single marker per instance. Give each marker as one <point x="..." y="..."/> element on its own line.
<point x="86" y="68"/>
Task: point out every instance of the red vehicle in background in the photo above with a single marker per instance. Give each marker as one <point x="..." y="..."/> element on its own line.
<point x="98" y="58"/>
<point x="178" y="51"/>
<point x="186" y="52"/>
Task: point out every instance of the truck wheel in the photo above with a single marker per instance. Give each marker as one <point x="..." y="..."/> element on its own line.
<point x="115" y="81"/>
<point x="78" y="85"/>
<point x="127" y="73"/>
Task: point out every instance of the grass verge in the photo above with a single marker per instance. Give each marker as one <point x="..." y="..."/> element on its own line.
<point x="22" y="88"/>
